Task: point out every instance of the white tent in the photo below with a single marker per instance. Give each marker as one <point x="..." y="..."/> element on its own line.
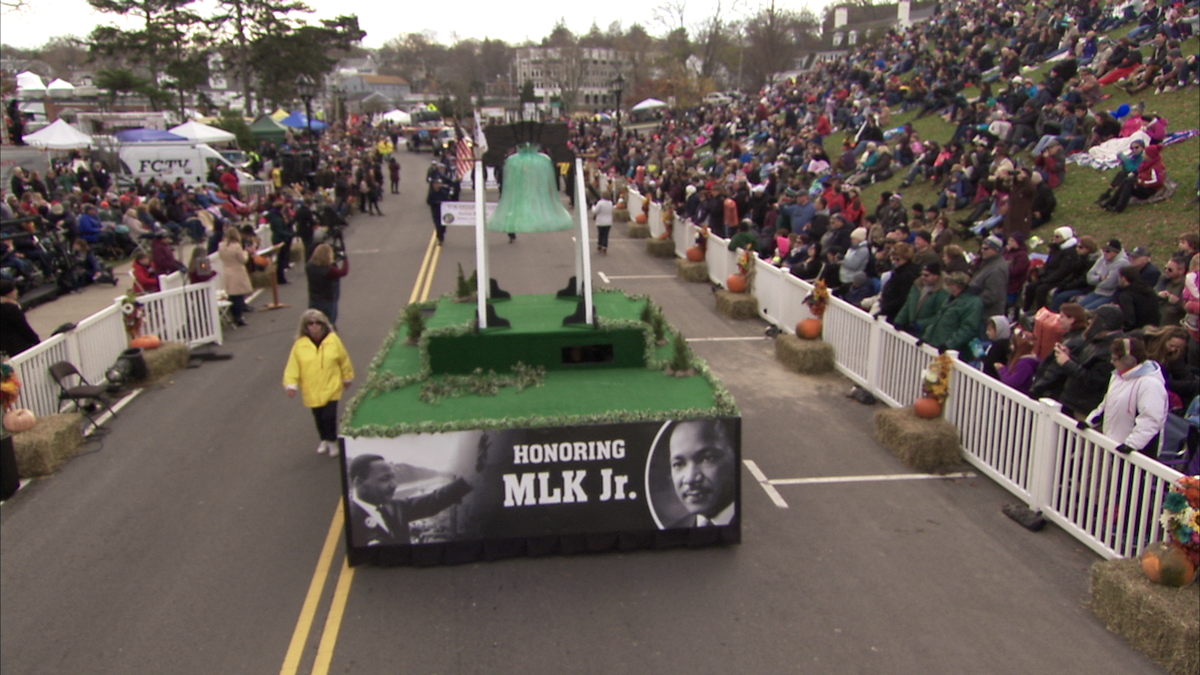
<point x="30" y="85"/>
<point x="202" y="133"/>
<point x="398" y="116"/>
<point x="60" y="88"/>
<point x="648" y="104"/>
<point x="59" y="136"/>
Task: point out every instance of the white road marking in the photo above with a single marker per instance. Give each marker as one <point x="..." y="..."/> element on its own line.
<point x="604" y="277"/>
<point x="867" y="479"/>
<point x="640" y="276"/>
<point x="766" y="485"/>
<point x="726" y="339"/>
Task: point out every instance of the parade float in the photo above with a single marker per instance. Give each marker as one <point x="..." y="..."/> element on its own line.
<point x="535" y="424"/>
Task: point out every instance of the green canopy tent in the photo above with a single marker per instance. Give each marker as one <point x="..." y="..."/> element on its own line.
<point x="267" y="129"/>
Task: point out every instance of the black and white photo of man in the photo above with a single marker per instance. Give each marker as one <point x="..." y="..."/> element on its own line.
<point x="703" y="473"/>
<point x="377" y="518"/>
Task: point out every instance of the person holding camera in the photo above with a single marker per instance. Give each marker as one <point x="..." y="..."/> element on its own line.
<point x="325" y="280"/>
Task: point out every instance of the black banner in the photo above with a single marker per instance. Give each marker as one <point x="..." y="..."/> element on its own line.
<point x="474" y="486"/>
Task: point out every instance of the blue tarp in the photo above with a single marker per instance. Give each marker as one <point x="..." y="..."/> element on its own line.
<point x="299" y="120"/>
<point x="146" y="136"/>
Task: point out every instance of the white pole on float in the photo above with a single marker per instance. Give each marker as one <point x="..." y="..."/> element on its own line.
<point x="482" y="274"/>
<point x="585" y="246"/>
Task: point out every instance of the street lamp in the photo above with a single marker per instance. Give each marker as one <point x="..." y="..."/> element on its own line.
<point x="618" y="85"/>
<point x="306" y="87"/>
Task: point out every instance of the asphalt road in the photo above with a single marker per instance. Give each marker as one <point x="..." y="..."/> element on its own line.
<point x="185" y="542"/>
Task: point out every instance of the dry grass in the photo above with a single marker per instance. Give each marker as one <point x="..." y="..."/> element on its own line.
<point x="923" y="445"/>
<point x="1161" y="622"/>
<point x="696" y="272"/>
<point x="660" y="248"/>
<point x="737" y="305"/>
<point x="804" y="356"/>
<point x="53" y="441"/>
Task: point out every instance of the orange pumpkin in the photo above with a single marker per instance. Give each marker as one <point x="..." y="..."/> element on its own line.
<point x="261" y="261"/>
<point x="18" y="420"/>
<point x="146" y="342"/>
<point x="809" y="329"/>
<point x="695" y="254"/>
<point x="641" y="219"/>
<point x="1168" y="565"/>
<point x="736" y="283"/>
<point x="927" y="408"/>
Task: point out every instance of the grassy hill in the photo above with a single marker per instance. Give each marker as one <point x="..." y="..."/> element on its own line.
<point x="1156" y="225"/>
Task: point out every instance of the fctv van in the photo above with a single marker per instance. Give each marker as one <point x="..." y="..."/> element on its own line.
<point x="168" y="161"/>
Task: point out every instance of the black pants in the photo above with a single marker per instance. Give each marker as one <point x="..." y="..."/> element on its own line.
<point x="436" y="210"/>
<point x="283" y="259"/>
<point x="326" y="418"/>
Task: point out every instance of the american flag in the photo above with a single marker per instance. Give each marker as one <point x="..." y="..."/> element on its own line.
<point x="462" y="153"/>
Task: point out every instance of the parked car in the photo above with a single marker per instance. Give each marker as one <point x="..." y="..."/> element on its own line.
<point x="717" y="98"/>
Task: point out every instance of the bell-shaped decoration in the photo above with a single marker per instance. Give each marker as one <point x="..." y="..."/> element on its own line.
<point x="529" y="201"/>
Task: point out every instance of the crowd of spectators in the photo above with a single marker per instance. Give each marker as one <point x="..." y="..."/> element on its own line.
<point x="789" y="166"/>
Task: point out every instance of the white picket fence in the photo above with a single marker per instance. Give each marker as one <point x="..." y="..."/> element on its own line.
<point x="1110" y="502"/>
<point x="186" y="314"/>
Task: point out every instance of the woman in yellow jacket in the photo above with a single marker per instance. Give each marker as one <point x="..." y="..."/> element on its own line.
<point x="320" y="369"/>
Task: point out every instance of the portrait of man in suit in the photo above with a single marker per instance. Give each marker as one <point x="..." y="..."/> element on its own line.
<point x="703" y="472"/>
<point x="377" y="518"/>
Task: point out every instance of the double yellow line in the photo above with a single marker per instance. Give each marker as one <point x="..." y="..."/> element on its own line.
<point x="341" y="592"/>
<point x="433" y="253"/>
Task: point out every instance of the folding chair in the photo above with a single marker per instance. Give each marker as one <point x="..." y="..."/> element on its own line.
<point x="62" y="372"/>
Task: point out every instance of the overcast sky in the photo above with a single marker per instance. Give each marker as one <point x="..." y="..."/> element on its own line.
<point x="509" y="21"/>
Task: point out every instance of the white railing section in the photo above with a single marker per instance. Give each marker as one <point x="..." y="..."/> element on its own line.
<point x="1109" y="501"/>
<point x="188" y="314"/>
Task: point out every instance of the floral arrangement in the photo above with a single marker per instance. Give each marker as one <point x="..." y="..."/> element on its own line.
<point x="818" y="300"/>
<point x="745" y="258"/>
<point x="10" y="386"/>
<point x="702" y="237"/>
<point x="1181" y="516"/>
<point x="936" y="383"/>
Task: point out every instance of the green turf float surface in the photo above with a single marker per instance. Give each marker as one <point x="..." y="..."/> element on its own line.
<point x="585" y="375"/>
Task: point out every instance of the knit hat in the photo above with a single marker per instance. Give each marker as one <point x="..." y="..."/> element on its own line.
<point x="933" y="268"/>
<point x="859" y="278"/>
<point x="1064" y="232"/>
<point x="1110" y="317"/>
<point x="1113" y="245"/>
<point x="993" y="242"/>
<point x="690" y="190"/>
<point x="858" y="234"/>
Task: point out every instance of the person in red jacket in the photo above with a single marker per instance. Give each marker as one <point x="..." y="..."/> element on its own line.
<point x="145" y="279"/>
<point x="229" y="180"/>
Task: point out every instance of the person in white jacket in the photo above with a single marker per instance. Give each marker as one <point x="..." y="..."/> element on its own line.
<point x="1135" y="407"/>
<point x="602" y="212"/>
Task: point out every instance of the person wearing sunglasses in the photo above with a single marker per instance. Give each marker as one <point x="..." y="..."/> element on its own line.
<point x="319" y="368"/>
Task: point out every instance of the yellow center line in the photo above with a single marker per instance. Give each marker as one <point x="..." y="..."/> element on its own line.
<point x="341" y="593"/>
<point x="308" y="611"/>
<point x="437" y="255"/>
<point x="333" y="621"/>
<point x="425" y="264"/>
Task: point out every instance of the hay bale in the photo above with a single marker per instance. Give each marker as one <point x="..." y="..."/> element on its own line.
<point x="1159" y="621"/>
<point x="262" y="278"/>
<point x="737" y="305"/>
<point x="638" y="231"/>
<point x="53" y="441"/>
<point x="804" y="356"/>
<point x="620" y="215"/>
<point x="696" y="272"/>
<point x="298" y="254"/>
<point x="924" y="445"/>
<point x="660" y="248"/>
<point x="166" y="359"/>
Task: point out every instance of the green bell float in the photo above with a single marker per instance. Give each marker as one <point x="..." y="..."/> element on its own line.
<point x="529" y="200"/>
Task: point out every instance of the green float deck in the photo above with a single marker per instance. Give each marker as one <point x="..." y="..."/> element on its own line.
<point x="630" y="387"/>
